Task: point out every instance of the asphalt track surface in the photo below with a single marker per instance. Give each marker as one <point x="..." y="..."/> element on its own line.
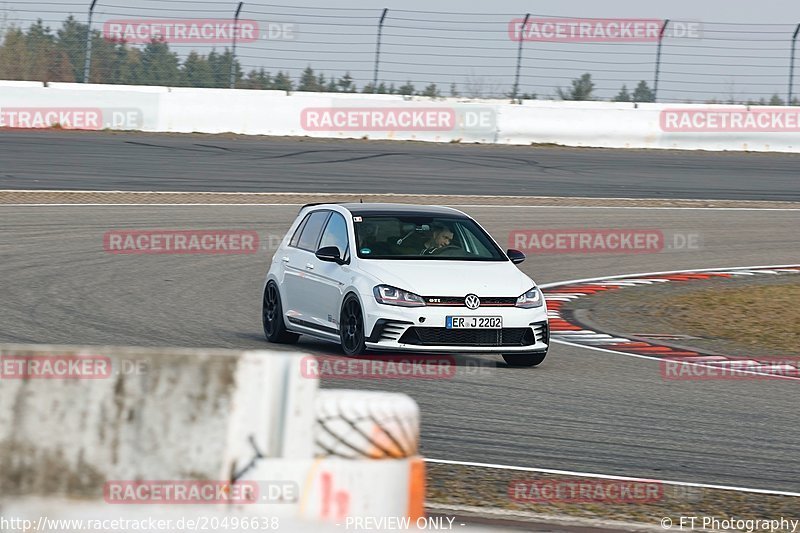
<point x="582" y="410"/>
<point x="159" y="162"/>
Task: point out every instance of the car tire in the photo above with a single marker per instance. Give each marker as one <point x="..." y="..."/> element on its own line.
<point x="524" y="359"/>
<point x="351" y="327"/>
<point x="272" y="317"/>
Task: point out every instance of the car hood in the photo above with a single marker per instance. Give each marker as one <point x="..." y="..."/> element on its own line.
<point x="450" y="278"/>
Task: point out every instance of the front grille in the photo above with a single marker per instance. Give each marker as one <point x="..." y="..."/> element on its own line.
<point x="468" y="337"/>
<point x="498" y="301"/>
<point x="458" y="301"/>
<point x="448" y="301"/>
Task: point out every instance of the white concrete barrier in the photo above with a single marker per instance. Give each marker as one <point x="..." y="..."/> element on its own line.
<point x="122" y="426"/>
<point x="17" y="84"/>
<point x="334" y="489"/>
<point x="591" y="124"/>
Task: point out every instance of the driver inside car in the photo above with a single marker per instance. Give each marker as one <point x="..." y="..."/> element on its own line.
<point x="441" y="237"/>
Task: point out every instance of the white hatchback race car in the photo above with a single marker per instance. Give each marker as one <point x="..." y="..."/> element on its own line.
<point x="402" y="278"/>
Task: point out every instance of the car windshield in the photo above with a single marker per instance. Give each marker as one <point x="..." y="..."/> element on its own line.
<point x="419" y="237"/>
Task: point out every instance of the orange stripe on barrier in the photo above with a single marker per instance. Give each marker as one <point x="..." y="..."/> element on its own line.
<point x="384" y="445"/>
<point x="416" y="488"/>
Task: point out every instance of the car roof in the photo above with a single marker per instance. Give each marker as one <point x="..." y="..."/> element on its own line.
<point x="372" y="209"/>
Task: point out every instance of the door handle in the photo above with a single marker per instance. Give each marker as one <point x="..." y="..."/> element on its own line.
<point x="309" y="266"/>
<point x="285" y="259"/>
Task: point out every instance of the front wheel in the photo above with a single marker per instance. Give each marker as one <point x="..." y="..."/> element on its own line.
<point x="272" y="317"/>
<point x="524" y="359"/>
<point x="351" y="327"/>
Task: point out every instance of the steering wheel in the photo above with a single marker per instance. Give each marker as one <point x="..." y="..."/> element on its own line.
<point x="443" y="249"/>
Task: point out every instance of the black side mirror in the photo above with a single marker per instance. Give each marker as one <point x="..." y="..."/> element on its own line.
<point x="331" y="254"/>
<point x="516" y="256"/>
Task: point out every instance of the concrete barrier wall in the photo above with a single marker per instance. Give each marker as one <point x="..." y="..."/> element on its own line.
<point x="70" y="436"/>
<point x="593" y="124"/>
<point x="130" y="415"/>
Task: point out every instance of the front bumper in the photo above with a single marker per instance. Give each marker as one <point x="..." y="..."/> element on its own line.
<point x="422" y="329"/>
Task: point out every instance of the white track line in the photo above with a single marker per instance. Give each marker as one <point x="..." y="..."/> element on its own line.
<point x="617" y="478"/>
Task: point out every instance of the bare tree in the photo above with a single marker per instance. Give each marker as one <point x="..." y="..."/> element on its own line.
<point x="479" y="87"/>
<point x="6" y="20"/>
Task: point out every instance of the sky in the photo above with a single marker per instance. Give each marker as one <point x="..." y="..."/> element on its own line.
<point x="740" y="53"/>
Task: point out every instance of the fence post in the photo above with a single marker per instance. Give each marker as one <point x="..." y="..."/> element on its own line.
<point x="519" y="56"/>
<point x="658" y="59"/>
<point x="233" y="55"/>
<point x="378" y="51"/>
<point x="87" y="66"/>
<point x="791" y="66"/>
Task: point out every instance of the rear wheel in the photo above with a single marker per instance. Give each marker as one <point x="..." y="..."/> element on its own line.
<point x="351" y="327"/>
<point x="272" y="317"/>
<point x="524" y="359"/>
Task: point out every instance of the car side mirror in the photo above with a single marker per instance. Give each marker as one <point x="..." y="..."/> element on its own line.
<point x="330" y="254"/>
<point x="516" y="256"/>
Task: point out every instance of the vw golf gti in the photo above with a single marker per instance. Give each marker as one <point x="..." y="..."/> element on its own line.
<point x="402" y="278"/>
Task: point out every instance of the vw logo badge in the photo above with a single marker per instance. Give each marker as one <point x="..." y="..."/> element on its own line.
<point x="472" y="301"/>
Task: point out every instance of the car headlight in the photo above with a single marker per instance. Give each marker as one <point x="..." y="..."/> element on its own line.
<point x="386" y="294"/>
<point x="532" y="298"/>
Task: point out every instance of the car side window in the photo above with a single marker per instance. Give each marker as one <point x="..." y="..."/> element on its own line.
<point x="297" y="232"/>
<point x="335" y="234"/>
<point x="313" y="227"/>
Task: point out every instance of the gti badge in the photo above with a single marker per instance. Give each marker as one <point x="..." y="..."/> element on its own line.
<point x="472" y="301"/>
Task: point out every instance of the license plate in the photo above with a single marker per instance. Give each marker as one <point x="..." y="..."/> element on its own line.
<point x="474" y="322"/>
